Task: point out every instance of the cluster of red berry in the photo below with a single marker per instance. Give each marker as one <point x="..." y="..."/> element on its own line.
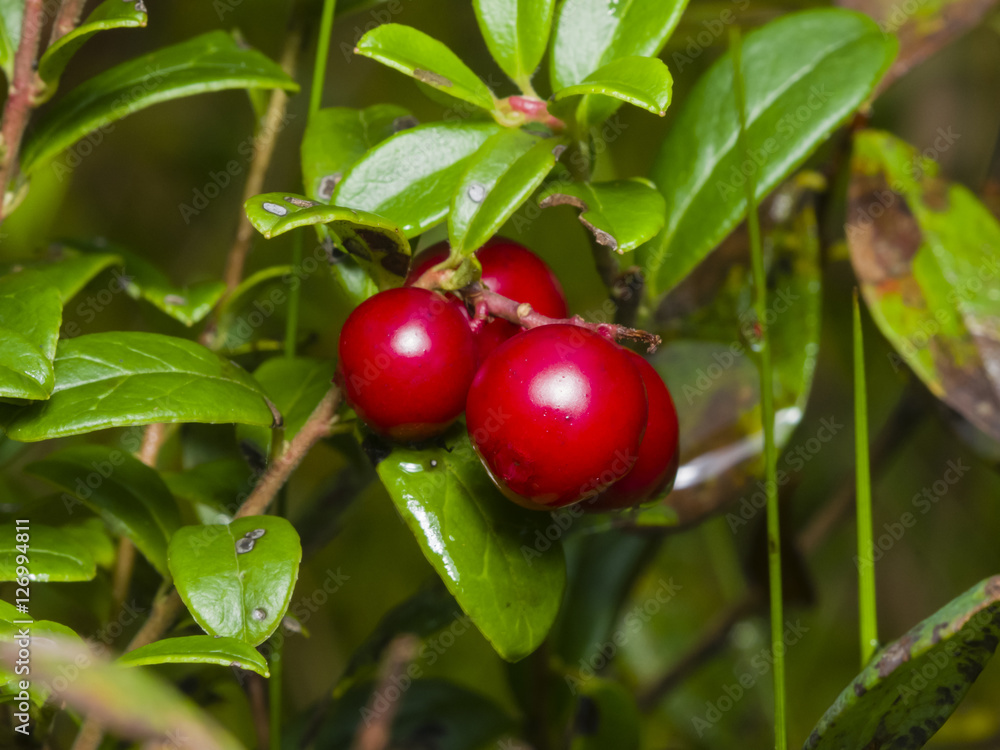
<point x="558" y="414"/>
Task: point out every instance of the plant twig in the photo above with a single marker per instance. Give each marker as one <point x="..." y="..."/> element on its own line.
<point x="121" y="579"/>
<point x="66" y="19"/>
<point x="767" y="410"/>
<point x="376" y="732"/>
<point x="264" y="144"/>
<point x="20" y="96"/>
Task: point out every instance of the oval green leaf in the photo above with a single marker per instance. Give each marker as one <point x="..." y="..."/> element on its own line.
<point x="925" y="252"/>
<point x="516" y="34"/>
<point x="621" y="214"/>
<point x="111" y="14"/>
<point x="914" y="684"/>
<point x="410" y="178"/>
<point x="337" y="137"/>
<point x="126" y="378"/>
<point x="499" y="177"/>
<point x="236" y="594"/>
<point x="485" y="548"/>
<point x="796" y="94"/>
<point x="429" y="61"/>
<point x="53" y="555"/>
<point x="377" y="245"/>
<point x="643" y="81"/>
<point x="30" y="316"/>
<point x="210" y="62"/>
<point x="130" y="496"/>
<point x="69" y="273"/>
<point x="197" y="649"/>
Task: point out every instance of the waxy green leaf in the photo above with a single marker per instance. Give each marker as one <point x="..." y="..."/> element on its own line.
<point x="189" y="304"/>
<point x="30" y="316"/>
<point x="125" y="378"/>
<point x="429" y="61"/>
<point x="913" y="685"/>
<point x="621" y="214"/>
<point x="488" y="551"/>
<point x="127" y="494"/>
<point x="377" y="245"/>
<point x="197" y="649"/>
<point x="925" y="251"/>
<point x="643" y="81"/>
<point x="410" y="178"/>
<point x="210" y="62"/>
<point x="52" y="554"/>
<point x="111" y="14"/>
<point x="337" y="137"/>
<point x="516" y="34"/>
<point x="237" y="579"/>
<point x="69" y="272"/>
<point x="796" y="94"/>
<point x="498" y="179"/>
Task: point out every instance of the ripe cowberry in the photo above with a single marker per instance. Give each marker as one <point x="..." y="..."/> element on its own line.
<point x="407" y="357"/>
<point x="509" y="269"/>
<point x="656" y="467"/>
<point x="556" y="414"/>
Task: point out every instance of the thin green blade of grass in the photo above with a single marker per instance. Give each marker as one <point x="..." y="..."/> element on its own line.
<point x="767" y="409"/>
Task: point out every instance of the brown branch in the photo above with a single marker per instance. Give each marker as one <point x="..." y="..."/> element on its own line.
<point x="152" y="440"/>
<point x="67" y="19"/>
<point x="264" y="145"/>
<point x="376" y="732"/>
<point x="21" y="95"/>
<point x="315" y="429"/>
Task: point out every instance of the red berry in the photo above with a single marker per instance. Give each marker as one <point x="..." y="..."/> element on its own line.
<point x="656" y="467"/>
<point x="512" y="270"/>
<point x="407" y="357"/>
<point x="556" y="414"/>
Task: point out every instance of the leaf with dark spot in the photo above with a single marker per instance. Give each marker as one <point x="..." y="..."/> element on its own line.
<point x="925" y="253"/>
<point x="913" y="685"/>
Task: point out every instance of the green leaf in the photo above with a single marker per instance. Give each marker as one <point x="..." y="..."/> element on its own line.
<point x="483" y="546"/>
<point x="210" y="62"/>
<point x="231" y="593"/>
<point x="126" y="378"/>
<point x="925" y="252"/>
<point x="796" y="95"/>
<point x="454" y="717"/>
<point x="516" y="34"/>
<point x="132" y="703"/>
<point x="188" y="304"/>
<point x="93" y="535"/>
<point x="410" y="178"/>
<point x="233" y="329"/>
<point x="621" y="214"/>
<point x="429" y="61"/>
<point x="591" y="33"/>
<point x="378" y="245"/>
<point x="710" y="363"/>
<point x="295" y="385"/>
<point x="499" y="177"/>
<point x="643" y="81"/>
<point x="612" y="717"/>
<point x="53" y="555"/>
<point x="127" y="494"/>
<point x="43" y="633"/>
<point x="216" y="485"/>
<point x="30" y="316"/>
<point x="197" y="649"/>
<point x="111" y="14"/>
<point x="337" y="137"/>
<point x="913" y="685"/>
<point x="69" y="273"/>
<point x="11" y="16"/>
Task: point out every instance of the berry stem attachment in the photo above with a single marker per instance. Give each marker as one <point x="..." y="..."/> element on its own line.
<point x="522" y="314"/>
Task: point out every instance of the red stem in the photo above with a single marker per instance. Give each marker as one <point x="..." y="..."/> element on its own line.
<point x="22" y="91"/>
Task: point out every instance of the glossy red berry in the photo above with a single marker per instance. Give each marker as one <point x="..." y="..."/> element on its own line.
<point x="656" y="467"/>
<point x="510" y="269"/>
<point x="556" y="414"/>
<point x="407" y="357"/>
